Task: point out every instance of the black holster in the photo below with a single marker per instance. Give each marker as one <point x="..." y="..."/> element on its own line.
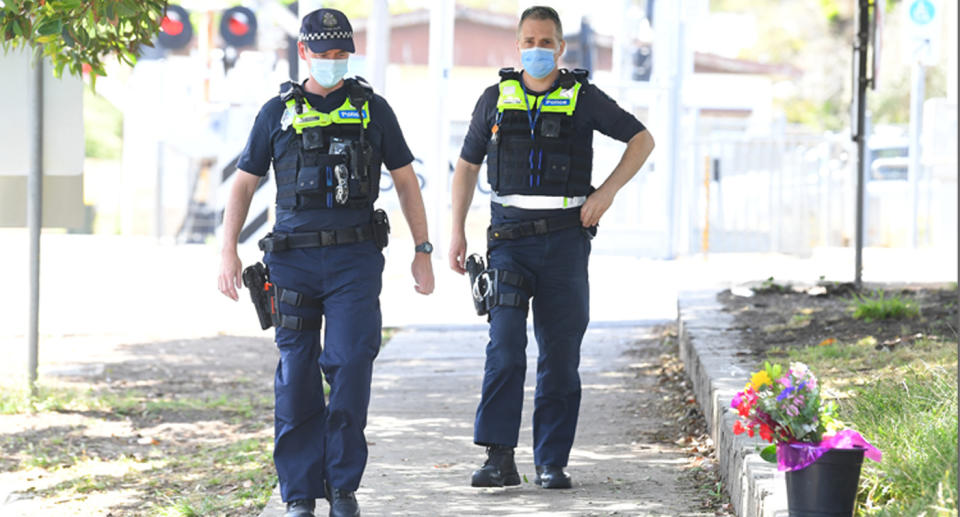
<point x="256" y="278"/>
<point x="381" y="228"/>
<point x="475" y="267"/>
<point x="486" y="283"/>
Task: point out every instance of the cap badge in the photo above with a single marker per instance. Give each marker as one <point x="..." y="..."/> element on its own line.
<point x="329" y="20"/>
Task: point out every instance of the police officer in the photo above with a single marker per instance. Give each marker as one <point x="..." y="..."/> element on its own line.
<point x="326" y="140"/>
<point x="536" y="129"/>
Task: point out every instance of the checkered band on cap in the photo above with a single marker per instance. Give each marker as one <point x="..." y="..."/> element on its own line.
<point x="314" y="36"/>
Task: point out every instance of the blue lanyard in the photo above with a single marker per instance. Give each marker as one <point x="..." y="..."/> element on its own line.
<point x="531" y="119"/>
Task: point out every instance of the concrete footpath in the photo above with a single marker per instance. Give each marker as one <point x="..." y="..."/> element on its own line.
<point x="425" y="392"/>
<point x="712" y="359"/>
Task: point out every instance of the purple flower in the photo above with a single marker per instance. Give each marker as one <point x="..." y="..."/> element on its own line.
<point x="785" y="393"/>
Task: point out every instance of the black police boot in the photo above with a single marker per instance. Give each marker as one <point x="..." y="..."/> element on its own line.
<point x="344" y="504"/>
<point x="300" y="508"/>
<point x="549" y="476"/>
<point x="499" y="469"/>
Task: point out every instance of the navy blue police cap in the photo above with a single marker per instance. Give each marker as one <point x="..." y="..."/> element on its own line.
<point x="326" y="29"/>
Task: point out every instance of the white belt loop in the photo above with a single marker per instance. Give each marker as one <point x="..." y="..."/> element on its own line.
<point x="538" y="202"/>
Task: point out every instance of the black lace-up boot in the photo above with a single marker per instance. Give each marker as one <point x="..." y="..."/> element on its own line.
<point x="499" y="470"/>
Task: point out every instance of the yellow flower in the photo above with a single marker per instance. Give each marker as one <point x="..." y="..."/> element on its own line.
<point x="760" y="379"/>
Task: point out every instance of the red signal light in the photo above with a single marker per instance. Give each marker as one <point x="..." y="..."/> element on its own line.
<point x="238" y="27"/>
<point x="171" y="26"/>
<point x="238" y="24"/>
<point x="176" y="31"/>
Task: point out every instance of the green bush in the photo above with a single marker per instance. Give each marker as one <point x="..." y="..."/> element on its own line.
<point x="879" y="307"/>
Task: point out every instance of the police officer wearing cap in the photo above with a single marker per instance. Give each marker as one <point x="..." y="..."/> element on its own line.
<point x="535" y="128"/>
<point x="326" y="140"/>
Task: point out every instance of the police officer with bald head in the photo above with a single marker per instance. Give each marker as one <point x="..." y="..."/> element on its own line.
<point x="326" y="140"/>
<point x="535" y="128"/>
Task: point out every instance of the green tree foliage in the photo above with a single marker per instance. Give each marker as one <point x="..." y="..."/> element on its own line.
<point x="74" y="33"/>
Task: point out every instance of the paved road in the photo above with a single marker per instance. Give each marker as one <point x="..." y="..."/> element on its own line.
<point x="425" y="391"/>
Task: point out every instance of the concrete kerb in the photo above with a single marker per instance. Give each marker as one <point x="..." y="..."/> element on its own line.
<point x="713" y="361"/>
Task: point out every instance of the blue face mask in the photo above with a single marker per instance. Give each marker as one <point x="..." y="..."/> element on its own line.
<point x="328" y="72"/>
<point x="538" y="62"/>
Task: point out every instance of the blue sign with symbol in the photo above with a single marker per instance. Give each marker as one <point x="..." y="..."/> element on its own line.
<point x="922" y="12"/>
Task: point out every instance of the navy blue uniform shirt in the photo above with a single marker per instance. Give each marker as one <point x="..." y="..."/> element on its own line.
<point x="595" y="111"/>
<point x="383" y="132"/>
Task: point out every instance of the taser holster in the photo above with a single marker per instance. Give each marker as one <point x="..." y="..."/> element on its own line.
<point x="256" y="278"/>
<point x="266" y="295"/>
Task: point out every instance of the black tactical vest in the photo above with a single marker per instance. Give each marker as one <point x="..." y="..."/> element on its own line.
<point x="328" y="166"/>
<point x="550" y="162"/>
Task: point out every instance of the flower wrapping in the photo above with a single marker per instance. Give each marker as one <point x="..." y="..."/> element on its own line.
<point x="796" y="455"/>
<point x="783" y="406"/>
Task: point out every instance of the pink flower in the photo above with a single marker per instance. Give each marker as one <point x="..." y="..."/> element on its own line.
<point x="736" y="400"/>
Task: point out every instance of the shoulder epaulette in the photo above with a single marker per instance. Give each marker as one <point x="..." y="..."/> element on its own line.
<point x="568" y="78"/>
<point x="359" y="91"/>
<point x="292" y="90"/>
<point x="289" y="90"/>
<point x="509" y="73"/>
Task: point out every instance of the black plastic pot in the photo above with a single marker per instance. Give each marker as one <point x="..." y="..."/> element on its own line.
<point x="826" y="488"/>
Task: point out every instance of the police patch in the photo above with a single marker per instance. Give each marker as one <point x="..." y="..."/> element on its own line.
<point x="556" y="102"/>
<point x="349" y="114"/>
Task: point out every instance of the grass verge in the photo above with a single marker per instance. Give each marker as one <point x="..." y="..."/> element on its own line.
<point x="150" y="448"/>
<point x="904" y="401"/>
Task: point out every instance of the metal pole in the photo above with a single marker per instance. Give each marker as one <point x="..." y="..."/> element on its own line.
<point x="668" y="56"/>
<point x="440" y="59"/>
<point x="378" y="45"/>
<point x="917" y="93"/>
<point x="35" y="217"/>
<point x="158" y="194"/>
<point x="863" y="35"/>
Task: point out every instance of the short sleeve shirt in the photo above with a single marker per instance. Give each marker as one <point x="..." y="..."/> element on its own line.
<point x="595" y="111"/>
<point x="383" y="132"/>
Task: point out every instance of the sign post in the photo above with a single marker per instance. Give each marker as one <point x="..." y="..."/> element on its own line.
<point x="861" y="47"/>
<point x="923" y="32"/>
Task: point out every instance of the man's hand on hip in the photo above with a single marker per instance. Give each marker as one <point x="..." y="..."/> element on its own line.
<point x="595" y="206"/>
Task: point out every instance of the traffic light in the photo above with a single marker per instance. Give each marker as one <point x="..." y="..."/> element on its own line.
<point x="642" y="63"/>
<point x="238" y="27"/>
<point x="176" y="31"/>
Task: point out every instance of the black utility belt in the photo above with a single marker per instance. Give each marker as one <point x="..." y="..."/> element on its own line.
<point x="534" y="227"/>
<point x="378" y="231"/>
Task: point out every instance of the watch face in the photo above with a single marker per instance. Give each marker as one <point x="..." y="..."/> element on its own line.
<point x="426" y="247"/>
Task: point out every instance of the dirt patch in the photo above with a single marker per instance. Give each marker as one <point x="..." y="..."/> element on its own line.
<point x="774" y="316"/>
<point x="170" y="428"/>
<point x="683" y="424"/>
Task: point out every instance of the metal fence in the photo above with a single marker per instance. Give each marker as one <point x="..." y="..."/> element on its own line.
<point x="791" y="194"/>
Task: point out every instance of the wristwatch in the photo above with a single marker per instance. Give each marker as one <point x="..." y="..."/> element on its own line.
<point x="424" y="247"/>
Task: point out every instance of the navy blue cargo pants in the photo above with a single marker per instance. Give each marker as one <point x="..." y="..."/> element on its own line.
<point x="555" y="265"/>
<point x="313" y="440"/>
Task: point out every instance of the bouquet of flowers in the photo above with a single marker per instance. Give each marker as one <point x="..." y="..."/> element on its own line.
<point x="785" y="408"/>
